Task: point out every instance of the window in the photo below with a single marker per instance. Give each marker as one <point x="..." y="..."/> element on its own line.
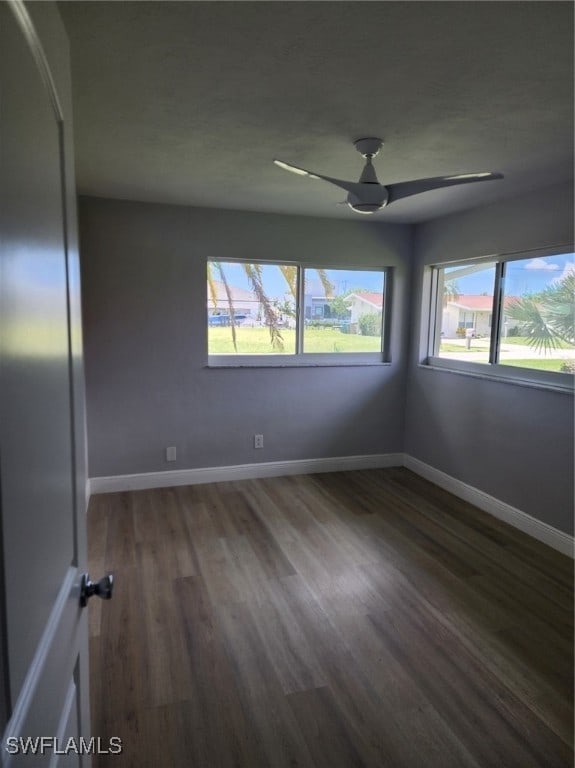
<point x="285" y="313"/>
<point x="465" y="305"/>
<point x="513" y="316"/>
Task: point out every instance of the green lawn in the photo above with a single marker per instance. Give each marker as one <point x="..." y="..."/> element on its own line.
<point x="539" y="363"/>
<point x="257" y="341"/>
<point x="524" y="340"/>
<point x="447" y="347"/>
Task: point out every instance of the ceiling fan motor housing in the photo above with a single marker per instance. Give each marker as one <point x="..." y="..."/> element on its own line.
<point x="373" y="195"/>
<point x="366" y="207"/>
<point x="373" y="198"/>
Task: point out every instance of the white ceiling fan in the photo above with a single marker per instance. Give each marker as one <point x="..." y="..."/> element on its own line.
<point x="369" y="196"/>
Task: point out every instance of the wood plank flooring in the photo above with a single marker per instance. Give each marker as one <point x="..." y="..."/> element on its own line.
<point x="361" y="618"/>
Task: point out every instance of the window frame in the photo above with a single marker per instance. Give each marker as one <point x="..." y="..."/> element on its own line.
<point x="300" y="358"/>
<point x="491" y="369"/>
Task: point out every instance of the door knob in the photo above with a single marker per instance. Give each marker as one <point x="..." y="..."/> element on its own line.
<point x="102" y="588"/>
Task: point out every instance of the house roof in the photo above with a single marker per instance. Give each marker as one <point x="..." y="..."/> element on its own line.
<point x="375" y="299"/>
<point x="238" y="294"/>
<point x="477" y="303"/>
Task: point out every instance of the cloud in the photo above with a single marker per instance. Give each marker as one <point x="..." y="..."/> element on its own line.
<point x="542" y="264"/>
<point x="568" y="269"/>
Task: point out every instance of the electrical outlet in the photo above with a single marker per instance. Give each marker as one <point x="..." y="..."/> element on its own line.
<point x="171" y="453"/>
<point x="258" y="441"/>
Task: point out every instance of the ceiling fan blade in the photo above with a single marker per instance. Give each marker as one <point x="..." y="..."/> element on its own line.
<point x="349" y="186"/>
<point x="408" y="188"/>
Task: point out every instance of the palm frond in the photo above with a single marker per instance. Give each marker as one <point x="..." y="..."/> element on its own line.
<point x="230" y="302"/>
<point x="254" y="274"/>
<point x="547" y="318"/>
<point x="328" y="286"/>
<point x="212" y="285"/>
<point x="528" y="312"/>
<point x="450" y="291"/>
<point x="290" y="274"/>
<point x="558" y="301"/>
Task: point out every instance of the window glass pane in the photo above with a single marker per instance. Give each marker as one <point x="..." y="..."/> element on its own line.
<point x="465" y="306"/>
<point x="538" y="322"/>
<point x="343" y="310"/>
<point x="251" y="308"/>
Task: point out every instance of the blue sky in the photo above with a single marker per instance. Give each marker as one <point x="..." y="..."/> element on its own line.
<point x="532" y="275"/>
<point x="523" y="276"/>
<point x="276" y="287"/>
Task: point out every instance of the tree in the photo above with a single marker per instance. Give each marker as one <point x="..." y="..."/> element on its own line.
<point x="213" y="293"/>
<point x="272" y="314"/>
<point x="285" y="308"/>
<point x="547" y="318"/>
<point x="339" y="307"/>
<point x="450" y="291"/>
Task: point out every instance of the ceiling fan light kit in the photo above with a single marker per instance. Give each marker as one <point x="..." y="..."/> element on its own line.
<point x="367" y="196"/>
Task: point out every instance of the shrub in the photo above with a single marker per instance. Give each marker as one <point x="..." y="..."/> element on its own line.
<point x="568" y="366"/>
<point x="370" y="324"/>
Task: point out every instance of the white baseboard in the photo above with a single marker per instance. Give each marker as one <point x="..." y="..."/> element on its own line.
<point x="147" y="480"/>
<point x="549" y="535"/>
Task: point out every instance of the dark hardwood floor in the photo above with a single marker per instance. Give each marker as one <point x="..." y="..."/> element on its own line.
<point x="360" y="618"/>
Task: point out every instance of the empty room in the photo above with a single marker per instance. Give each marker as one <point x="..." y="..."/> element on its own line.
<point x="287" y="346"/>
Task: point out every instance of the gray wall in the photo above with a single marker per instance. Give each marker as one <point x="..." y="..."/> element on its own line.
<point x="148" y="385"/>
<point x="144" y="297"/>
<point x="513" y="442"/>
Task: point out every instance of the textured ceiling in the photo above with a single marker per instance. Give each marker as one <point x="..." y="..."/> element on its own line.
<point x="189" y="102"/>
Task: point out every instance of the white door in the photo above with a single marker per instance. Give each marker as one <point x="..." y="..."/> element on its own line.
<point x="42" y="455"/>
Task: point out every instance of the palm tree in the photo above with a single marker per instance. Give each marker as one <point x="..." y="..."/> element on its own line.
<point x="547" y="318"/>
<point x="254" y="275"/>
<point x="214" y="295"/>
<point x="450" y="291"/>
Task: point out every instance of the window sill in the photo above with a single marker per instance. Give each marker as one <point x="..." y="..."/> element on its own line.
<point x="295" y="361"/>
<point x="505" y="374"/>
